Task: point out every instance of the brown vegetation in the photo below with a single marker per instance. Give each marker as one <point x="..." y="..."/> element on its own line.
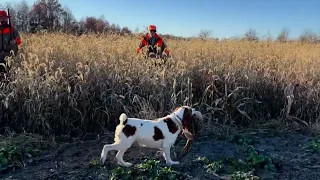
<point x="64" y="85"/>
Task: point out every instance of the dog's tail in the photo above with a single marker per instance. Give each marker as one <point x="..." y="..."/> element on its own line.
<point x="123" y="117"/>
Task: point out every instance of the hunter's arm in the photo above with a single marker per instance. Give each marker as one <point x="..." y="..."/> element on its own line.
<point x="16" y="36"/>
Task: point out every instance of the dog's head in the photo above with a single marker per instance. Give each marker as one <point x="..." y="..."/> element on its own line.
<point x="191" y="120"/>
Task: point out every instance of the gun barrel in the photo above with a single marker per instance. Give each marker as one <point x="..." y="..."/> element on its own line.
<point x="10" y="27"/>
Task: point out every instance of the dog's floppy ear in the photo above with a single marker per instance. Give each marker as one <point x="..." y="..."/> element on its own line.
<point x="187" y="123"/>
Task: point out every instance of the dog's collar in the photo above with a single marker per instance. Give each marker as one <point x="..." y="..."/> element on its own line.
<point x="177" y="120"/>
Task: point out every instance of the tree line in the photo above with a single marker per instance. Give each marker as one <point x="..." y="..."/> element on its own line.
<point x="49" y="15"/>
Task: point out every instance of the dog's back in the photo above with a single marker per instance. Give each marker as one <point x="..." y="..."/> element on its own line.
<point x="147" y="133"/>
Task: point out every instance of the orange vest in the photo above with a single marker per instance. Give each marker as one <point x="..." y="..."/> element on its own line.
<point x="147" y="41"/>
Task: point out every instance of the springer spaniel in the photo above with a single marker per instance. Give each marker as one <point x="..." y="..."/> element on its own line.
<point x="160" y="133"/>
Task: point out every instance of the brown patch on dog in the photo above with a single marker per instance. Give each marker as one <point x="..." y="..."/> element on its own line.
<point x="171" y="125"/>
<point x="187" y="123"/>
<point x="186" y="119"/>
<point x="125" y="122"/>
<point x="129" y="130"/>
<point x="196" y="124"/>
<point x="157" y="134"/>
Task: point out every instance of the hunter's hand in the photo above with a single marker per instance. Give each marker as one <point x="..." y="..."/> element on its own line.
<point x="13" y="42"/>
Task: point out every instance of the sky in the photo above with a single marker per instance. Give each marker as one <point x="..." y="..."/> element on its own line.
<point x="223" y="18"/>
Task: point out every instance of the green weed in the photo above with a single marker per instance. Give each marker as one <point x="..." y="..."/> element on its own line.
<point x="314" y="146"/>
<point x="149" y="169"/>
<point x="16" y="151"/>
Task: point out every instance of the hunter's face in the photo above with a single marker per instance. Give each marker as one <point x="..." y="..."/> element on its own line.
<point x="4" y="20"/>
<point x="152" y="32"/>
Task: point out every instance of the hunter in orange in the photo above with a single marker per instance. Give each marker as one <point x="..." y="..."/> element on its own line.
<point x="153" y="39"/>
<point x="10" y="38"/>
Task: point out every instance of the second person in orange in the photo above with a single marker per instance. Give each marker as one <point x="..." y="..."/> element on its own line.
<point x="153" y="39"/>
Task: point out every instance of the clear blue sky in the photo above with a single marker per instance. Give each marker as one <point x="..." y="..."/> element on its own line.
<point x="224" y="18"/>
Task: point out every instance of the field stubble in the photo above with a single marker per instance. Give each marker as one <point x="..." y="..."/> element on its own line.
<point x="70" y="85"/>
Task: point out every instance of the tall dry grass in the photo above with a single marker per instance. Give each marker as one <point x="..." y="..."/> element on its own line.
<point x="64" y="84"/>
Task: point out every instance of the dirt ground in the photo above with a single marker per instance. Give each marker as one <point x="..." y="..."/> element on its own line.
<point x="76" y="160"/>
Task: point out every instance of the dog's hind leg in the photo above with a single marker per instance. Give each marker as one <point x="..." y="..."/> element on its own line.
<point x="107" y="148"/>
<point x="121" y="147"/>
<point x="120" y="160"/>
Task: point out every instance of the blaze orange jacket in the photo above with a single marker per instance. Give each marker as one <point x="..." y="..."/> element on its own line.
<point x="156" y="40"/>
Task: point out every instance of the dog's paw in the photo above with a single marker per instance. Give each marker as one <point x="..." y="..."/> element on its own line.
<point x="173" y="163"/>
<point x="125" y="164"/>
<point x="102" y="160"/>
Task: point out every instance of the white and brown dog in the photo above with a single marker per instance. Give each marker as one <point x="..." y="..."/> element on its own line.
<point x="160" y="133"/>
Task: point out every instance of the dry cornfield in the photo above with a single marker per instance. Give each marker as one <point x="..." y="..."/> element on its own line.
<point x="64" y="84"/>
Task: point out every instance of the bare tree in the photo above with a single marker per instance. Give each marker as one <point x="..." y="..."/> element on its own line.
<point x="54" y="12"/>
<point x="67" y="19"/>
<point x="115" y="28"/>
<point x="101" y="25"/>
<point x="136" y="31"/>
<point x="269" y="37"/>
<point x="251" y="35"/>
<point x="308" y="36"/>
<point x="125" y="31"/>
<point x="204" y="34"/>
<point x="50" y="15"/>
<point x="283" y="35"/>
<point x="22" y="18"/>
<point x="38" y="14"/>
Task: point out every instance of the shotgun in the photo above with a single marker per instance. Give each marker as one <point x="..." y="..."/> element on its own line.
<point x="10" y="27"/>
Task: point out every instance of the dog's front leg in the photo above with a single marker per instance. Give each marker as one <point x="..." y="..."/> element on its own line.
<point x="167" y="155"/>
